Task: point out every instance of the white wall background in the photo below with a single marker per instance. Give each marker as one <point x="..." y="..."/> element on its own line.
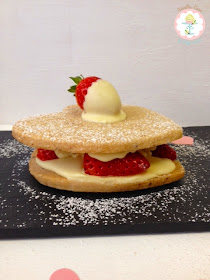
<point x="131" y="43"/>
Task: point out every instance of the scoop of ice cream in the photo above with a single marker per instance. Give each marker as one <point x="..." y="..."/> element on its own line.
<point x="102" y="103"/>
<point x="189" y="18"/>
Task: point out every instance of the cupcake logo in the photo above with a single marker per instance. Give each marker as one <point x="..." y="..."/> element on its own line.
<point x="189" y="24"/>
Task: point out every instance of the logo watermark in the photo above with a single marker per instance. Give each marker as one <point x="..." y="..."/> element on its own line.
<point x="189" y="24"/>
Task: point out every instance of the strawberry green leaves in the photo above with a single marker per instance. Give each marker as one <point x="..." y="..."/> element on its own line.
<point x="72" y="88"/>
<point x="76" y="80"/>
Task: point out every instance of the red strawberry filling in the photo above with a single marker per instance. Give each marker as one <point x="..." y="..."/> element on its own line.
<point x="164" y="151"/>
<point x="131" y="164"/>
<point x="46" y="154"/>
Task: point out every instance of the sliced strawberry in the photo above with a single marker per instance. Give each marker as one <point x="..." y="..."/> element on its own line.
<point x="81" y="88"/>
<point x="46" y="154"/>
<point x="164" y="151"/>
<point x="131" y="164"/>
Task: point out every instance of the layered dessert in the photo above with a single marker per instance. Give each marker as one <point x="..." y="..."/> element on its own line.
<point x="99" y="145"/>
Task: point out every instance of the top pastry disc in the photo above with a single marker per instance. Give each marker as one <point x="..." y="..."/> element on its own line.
<point x="67" y="131"/>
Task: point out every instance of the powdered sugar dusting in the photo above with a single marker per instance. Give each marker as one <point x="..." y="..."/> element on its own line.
<point x="41" y="207"/>
<point x="10" y="148"/>
<point x="68" y="131"/>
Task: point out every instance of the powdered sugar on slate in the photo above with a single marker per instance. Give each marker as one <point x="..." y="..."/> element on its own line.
<point x="9" y="148"/>
<point x="43" y="207"/>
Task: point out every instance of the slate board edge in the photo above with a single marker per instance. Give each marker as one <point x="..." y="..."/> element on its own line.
<point x="103" y="230"/>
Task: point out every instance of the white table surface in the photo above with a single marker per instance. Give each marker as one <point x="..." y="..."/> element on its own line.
<point x="184" y="256"/>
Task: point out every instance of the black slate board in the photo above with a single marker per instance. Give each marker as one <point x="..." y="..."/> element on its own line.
<point x="28" y="209"/>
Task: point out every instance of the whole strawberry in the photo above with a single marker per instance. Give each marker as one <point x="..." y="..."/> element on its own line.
<point x="131" y="164"/>
<point x="46" y="154"/>
<point x="81" y="88"/>
<point x="164" y="151"/>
